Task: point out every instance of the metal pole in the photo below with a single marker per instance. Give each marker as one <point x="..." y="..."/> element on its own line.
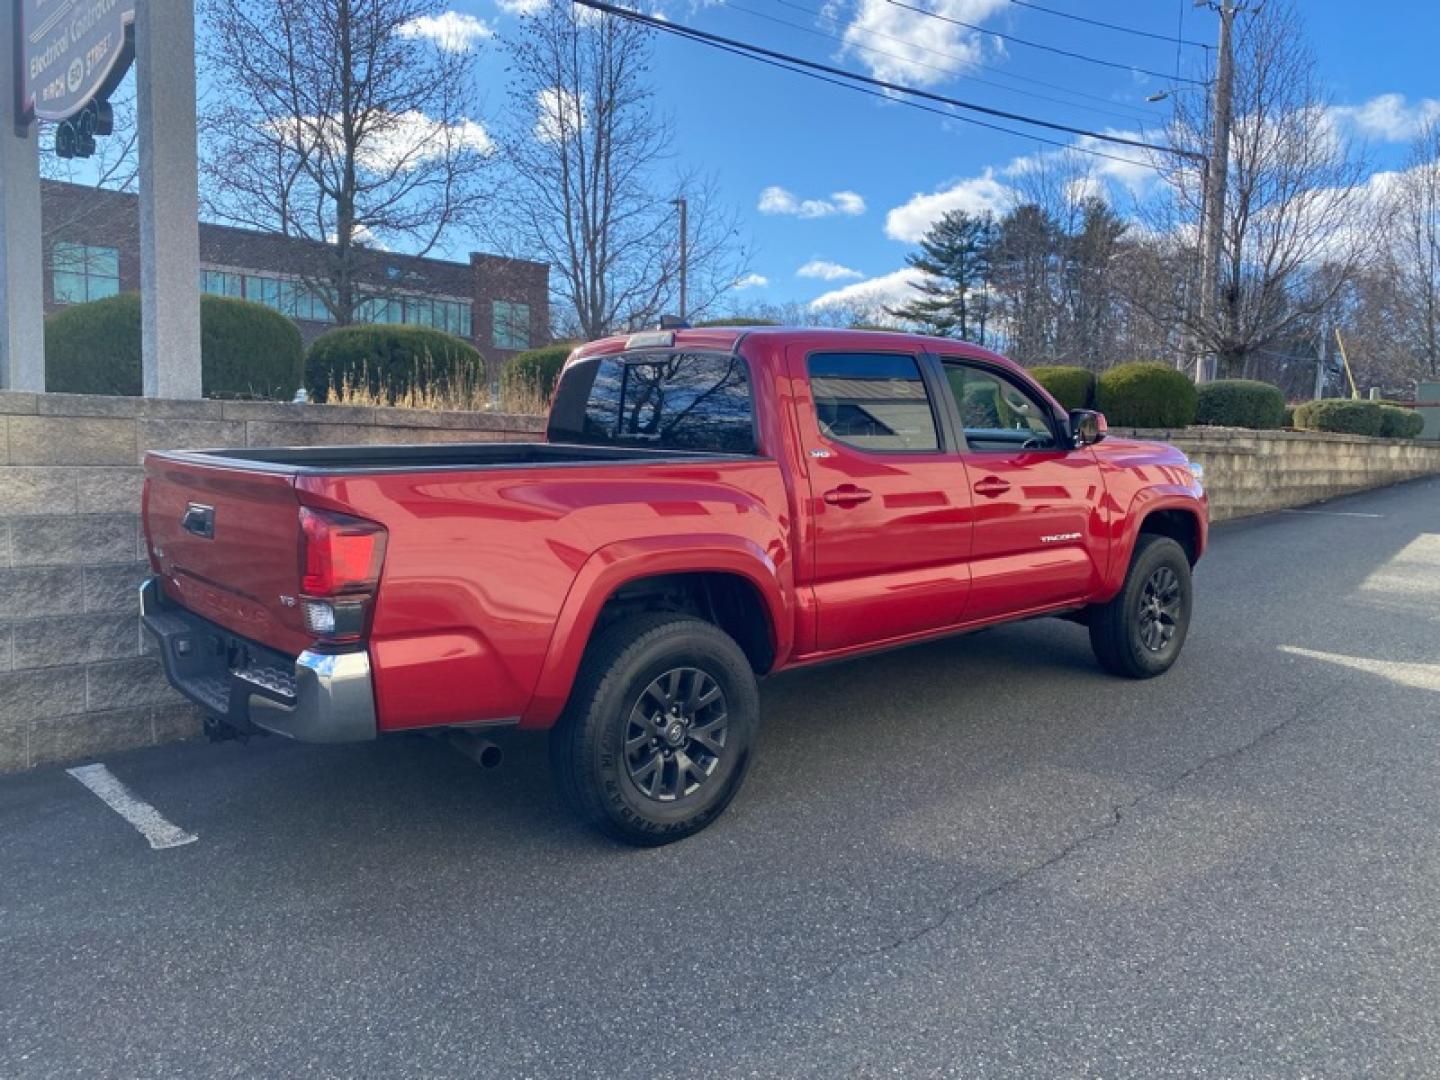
<point x="22" y="262"/>
<point x="169" y="198"/>
<point x="684" y="255"/>
<point x="1216" y="177"/>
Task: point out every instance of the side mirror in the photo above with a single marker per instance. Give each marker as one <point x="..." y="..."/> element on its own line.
<point x="1087" y="427"/>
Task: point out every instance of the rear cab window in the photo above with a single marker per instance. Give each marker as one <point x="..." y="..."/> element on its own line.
<point x="657" y="401"/>
<point x="876" y="402"/>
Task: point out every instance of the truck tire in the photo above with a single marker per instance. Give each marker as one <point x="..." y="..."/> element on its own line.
<point x="1139" y="634"/>
<point x="656" y="737"/>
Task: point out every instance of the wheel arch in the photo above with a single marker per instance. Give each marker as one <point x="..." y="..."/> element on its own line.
<point x="725" y="580"/>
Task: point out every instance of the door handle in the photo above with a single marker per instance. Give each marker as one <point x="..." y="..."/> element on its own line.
<point x="991" y="486"/>
<point x="847" y="495"/>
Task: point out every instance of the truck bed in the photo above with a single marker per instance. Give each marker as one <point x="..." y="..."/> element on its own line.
<point x="291" y="460"/>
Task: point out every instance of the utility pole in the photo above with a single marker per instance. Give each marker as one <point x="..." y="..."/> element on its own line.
<point x="684" y="253"/>
<point x="1216" y="177"/>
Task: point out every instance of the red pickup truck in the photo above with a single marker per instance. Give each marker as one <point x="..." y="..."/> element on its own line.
<point x="709" y="506"/>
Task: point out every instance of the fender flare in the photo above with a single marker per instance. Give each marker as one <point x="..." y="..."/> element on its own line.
<point x="618" y="564"/>
<point x="1149" y="501"/>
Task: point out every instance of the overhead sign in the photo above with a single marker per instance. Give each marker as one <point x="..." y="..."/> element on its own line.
<point x="72" y="52"/>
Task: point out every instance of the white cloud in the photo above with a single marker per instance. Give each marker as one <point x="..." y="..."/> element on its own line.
<point x="888" y="290"/>
<point x="559" y="113"/>
<point x="827" y="271"/>
<point x="776" y="200"/>
<point x="902" y="45"/>
<point x="752" y="281"/>
<point x="1387" y="117"/>
<point x="450" y="31"/>
<point x="976" y="195"/>
<point x="397" y="142"/>
<point x="410" y="138"/>
<point x="522" y="7"/>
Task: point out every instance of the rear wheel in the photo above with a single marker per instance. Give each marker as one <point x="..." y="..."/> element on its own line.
<point x="1139" y="634"/>
<point x="656" y="738"/>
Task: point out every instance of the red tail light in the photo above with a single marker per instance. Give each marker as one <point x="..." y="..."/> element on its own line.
<point x="341" y="554"/>
<point x="340" y="562"/>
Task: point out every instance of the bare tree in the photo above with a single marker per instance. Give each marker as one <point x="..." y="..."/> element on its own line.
<point x="341" y="122"/>
<point x="586" y="146"/>
<point x="1414" y="256"/>
<point x="1295" y="195"/>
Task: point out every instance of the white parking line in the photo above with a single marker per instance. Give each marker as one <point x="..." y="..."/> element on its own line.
<point x="1333" y="513"/>
<point x="149" y="821"/>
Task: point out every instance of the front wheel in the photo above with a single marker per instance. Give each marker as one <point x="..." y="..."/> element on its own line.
<point x="656" y="738"/>
<point x="1139" y="634"/>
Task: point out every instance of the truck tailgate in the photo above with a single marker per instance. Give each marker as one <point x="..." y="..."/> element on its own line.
<point x="227" y="544"/>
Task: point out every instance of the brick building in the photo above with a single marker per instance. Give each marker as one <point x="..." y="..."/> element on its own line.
<point x="500" y="305"/>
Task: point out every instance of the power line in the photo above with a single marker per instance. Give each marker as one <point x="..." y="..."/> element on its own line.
<point x="1131" y="116"/>
<point x="746" y="48"/>
<point x="893" y="100"/>
<point x="1109" y="26"/>
<point x="1132" y="111"/>
<point x="1037" y="44"/>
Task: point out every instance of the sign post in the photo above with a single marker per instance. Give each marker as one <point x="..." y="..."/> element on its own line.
<point x="169" y="199"/>
<point x="22" y="296"/>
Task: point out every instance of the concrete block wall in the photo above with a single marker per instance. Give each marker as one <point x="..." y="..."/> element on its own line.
<point x="77" y="677"/>
<point x="1253" y="472"/>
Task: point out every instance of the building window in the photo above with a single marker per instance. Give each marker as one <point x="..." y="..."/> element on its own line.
<point x="222" y="283"/>
<point x="511" y="325"/>
<point x="451" y="316"/>
<point x="286" y="295"/>
<point x="81" y="272"/>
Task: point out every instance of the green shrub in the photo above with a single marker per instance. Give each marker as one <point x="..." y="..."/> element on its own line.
<point x="1340" y="415"/>
<point x="390" y="359"/>
<point x="1073" y="387"/>
<point x="1243" y="403"/>
<point x="1398" y="423"/>
<point x="246" y="350"/>
<point x="1288" y="418"/>
<point x="1146" y="395"/>
<point x="533" y="373"/>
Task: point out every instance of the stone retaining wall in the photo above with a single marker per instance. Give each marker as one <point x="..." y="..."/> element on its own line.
<point x="76" y="674"/>
<point x="1252" y="472"/>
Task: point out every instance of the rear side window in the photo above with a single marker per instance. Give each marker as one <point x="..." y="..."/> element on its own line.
<point x="674" y="401"/>
<point x="873" y="401"/>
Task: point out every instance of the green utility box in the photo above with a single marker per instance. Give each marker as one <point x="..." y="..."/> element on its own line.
<point x="1427" y="396"/>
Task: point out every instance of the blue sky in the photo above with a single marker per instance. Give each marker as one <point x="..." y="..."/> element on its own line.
<point x="834" y="187"/>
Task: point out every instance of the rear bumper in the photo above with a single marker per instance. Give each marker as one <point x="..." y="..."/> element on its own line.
<point x="315" y="697"/>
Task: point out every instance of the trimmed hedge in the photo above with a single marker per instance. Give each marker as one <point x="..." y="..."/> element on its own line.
<point x="1146" y="395"/>
<point x="1398" y="423"/>
<point x="1073" y="387"/>
<point x="246" y="350"/>
<point x="1242" y="403"/>
<point x="1340" y="415"/>
<point x="391" y="359"/>
<point x="534" y="372"/>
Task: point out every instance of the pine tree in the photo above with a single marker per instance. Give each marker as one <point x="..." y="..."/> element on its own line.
<point x="955" y="257"/>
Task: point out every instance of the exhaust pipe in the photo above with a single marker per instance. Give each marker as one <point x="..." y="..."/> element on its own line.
<point x="482" y="751"/>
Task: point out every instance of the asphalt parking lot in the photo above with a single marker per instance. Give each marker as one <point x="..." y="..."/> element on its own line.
<point x="981" y="857"/>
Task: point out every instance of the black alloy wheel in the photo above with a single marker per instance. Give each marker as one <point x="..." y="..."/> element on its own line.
<point x="676" y="734"/>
